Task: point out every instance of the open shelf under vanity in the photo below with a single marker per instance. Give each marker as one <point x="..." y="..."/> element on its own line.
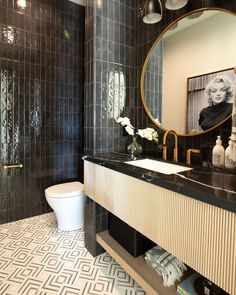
<point x="136" y="267"/>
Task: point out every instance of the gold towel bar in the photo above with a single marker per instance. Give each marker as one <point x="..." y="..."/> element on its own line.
<point x="9" y="166"/>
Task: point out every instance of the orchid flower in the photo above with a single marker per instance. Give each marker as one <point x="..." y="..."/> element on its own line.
<point x="129" y="130"/>
<point x="148" y="133"/>
<point x="124" y="122"/>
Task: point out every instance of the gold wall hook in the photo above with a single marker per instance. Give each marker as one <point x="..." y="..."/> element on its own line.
<point x="11" y="166"/>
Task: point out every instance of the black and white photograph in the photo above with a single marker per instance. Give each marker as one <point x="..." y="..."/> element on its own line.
<point x="210" y="99"/>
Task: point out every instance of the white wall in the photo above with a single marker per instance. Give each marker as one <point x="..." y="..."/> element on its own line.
<point x="208" y="46"/>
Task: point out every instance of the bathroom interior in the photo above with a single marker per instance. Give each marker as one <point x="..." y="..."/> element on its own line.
<point x="75" y="217"/>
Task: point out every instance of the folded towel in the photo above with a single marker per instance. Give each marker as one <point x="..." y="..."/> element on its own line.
<point x="166" y="265"/>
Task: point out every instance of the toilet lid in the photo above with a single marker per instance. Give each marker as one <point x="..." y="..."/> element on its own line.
<point x="69" y="189"/>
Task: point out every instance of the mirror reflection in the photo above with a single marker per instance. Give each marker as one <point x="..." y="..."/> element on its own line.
<point x="188" y="79"/>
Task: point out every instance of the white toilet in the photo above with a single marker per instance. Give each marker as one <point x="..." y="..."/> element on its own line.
<point x="67" y="201"/>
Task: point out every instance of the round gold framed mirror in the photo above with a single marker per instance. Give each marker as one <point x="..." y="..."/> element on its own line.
<point x="188" y="77"/>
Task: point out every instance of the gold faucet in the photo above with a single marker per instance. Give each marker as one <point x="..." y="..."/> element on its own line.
<point x="165" y="146"/>
<point x="188" y="155"/>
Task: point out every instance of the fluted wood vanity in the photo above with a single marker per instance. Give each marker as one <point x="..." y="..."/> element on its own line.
<point x="197" y="232"/>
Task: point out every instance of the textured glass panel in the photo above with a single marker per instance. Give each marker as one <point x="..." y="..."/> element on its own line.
<point x="10" y="100"/>
<point x="3" y="135"/>
<point x="8" y="34"/>
<point x="116" y="93"/>
<point x="16" y="133"/>
<point x="15" y="156"/>
<point x="3" y="81"/>
<point x="3" y="105"/>
<point x="4" y="153"/>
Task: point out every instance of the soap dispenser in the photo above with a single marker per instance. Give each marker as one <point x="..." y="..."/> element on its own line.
<point x="218" y="153"/>
<point x="229" y="155"/>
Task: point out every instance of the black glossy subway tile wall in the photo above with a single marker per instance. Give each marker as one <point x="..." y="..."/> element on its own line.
<point x="41" y="110"/>
<point x="117" y="43"/>
<point x="110" y="72"/>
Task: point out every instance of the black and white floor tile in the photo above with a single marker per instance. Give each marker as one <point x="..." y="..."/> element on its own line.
<point x="38" y="259"/>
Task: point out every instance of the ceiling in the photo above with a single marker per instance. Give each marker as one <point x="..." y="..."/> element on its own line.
<point x="81" y="2"/>
<point x="186" y="22"/>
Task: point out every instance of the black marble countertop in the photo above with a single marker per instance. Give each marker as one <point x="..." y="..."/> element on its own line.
<point x="217" y="188"/>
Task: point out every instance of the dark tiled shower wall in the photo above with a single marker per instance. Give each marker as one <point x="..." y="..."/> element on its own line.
<point x="110" y="67"/>
<point x="41" y="110"/>
<point x="146" y="35"/>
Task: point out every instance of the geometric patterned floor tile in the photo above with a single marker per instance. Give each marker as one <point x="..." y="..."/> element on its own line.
<point x="36" y="258"/>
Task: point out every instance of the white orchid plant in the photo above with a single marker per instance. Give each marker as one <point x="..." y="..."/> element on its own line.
<point x="148" y="133"/>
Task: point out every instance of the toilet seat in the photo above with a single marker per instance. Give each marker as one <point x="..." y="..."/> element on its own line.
<point x="65" y="190"/>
